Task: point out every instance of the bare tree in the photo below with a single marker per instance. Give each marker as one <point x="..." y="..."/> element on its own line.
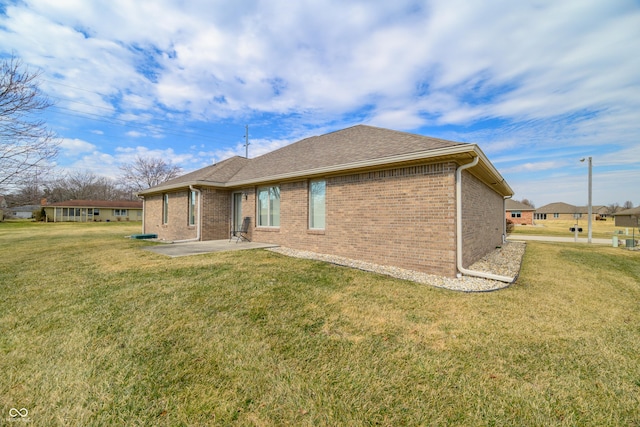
<point x="627" y="205"/>
<point x="528" y="203"/>
<point x="613" y="208"/>
<point x="83" y="186"/>
<point x="147" y="172"/>
<point x="26" y="144"/>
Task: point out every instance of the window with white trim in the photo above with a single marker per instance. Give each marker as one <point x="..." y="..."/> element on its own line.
<point x="165" y="208"/>
<point x="317" y="201"/>
<point x="516" y="214"/>
<point x="120" y="212"/>
<point x="268" y="207"/>
<point x="192" y="207"/>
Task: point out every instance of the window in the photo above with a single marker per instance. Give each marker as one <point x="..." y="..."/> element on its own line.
<point x="192" y="207"/>
<point x="540" y="216"/>
<point x="269" y="207"/>
<point x="71" y="212"/>
<point x="556" y="215"/>
<point x="165" y="208"/>
<point x="317" y="197"/>
<point x="96" y="211"/>
<point x="120" y="212"/>
<point x="516" y="214"/>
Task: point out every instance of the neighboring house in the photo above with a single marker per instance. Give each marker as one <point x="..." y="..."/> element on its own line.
<point x="518" y="212"/>
<point x="365" y="193"/>
<point x="23" y="212"/>
<point x="628" y="217"/>
<point x="567" y="212"/>
<point x="93" y="210"/>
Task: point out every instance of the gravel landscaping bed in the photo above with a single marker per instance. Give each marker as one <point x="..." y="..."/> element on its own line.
<point x="503" y="261"/>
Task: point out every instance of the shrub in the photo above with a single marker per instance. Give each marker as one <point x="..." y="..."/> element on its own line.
<point x="509" y="226"/>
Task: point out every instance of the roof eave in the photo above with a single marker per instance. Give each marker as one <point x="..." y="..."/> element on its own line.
<point x="442" y="153"/>
<point x="178" y="185"/>
<point x="488" y="174"/>
<point x="491" y="174"/>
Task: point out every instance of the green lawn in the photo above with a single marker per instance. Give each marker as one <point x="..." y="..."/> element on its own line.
<point x="95" y="331"/>
<point x="599" y="229"/>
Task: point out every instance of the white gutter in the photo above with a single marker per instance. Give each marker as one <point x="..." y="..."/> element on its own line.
<point x="361" y="164"/>
<point x="198" y="222"/>
<point x="382" y="161"/>
<point x="461" y="269"/>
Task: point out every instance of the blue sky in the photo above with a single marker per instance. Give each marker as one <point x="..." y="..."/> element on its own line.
<point x="537" y="84"/>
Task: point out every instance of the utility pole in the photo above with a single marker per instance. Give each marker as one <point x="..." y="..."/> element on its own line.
<point x="590" y="209"/>
<point x="246" y="141"/>
<point x="590" y="205"/>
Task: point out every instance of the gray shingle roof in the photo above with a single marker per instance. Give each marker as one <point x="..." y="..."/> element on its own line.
<point x="348" y="149"/>
<point x="632" y="211"/>
<point x="557" y="207"/>
<point x="220" y="172"/>
<point x="354" y="144"/>
<point x="565" y="208"/>
<point x="514" y="205"/>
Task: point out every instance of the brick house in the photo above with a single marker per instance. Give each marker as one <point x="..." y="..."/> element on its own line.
<point x="628" y="217"/>
<point x="366" y="193"/>
<point x="518" y="212"/>
<point x="559" y="211"/>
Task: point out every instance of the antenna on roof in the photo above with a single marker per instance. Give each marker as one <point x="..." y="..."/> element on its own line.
<point x="246" y="141"/>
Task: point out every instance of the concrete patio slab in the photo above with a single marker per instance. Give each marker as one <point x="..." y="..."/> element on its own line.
<point x="196" y="248"/>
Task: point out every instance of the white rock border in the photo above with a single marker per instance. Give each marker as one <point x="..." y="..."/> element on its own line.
<point x="505" y="260"/>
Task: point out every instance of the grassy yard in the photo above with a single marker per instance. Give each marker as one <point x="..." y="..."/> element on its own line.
<point x="599" y="229"/>
<point x="96" y="331"/>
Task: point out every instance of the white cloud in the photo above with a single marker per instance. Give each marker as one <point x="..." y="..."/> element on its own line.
<point x="536" y="84"/>
<point x="135" y="134"/>
<point x="74" y="147"/>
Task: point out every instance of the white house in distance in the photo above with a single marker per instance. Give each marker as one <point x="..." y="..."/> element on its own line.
<point x="93" y="211"/>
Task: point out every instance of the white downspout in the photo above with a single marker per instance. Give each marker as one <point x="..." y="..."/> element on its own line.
<point x="504" y="223"/>
<point x="461" y="269"/>
<point x="198" y="222"/>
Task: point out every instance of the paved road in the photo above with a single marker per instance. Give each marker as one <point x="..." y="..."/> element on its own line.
<point x="515" y="237"/>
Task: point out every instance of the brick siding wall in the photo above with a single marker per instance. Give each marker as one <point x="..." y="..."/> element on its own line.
<point x="216" y="214"/>
<point x="482" y="219"/>
<point x="402" y="217"/>
<point x="525" y="219"/>
<point x="177" y="228"/>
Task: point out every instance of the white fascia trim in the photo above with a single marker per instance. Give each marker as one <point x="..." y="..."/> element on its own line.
<point x="420" y="155"/>
<point x="471" y="149"/>
<point x="180" y="185"/>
